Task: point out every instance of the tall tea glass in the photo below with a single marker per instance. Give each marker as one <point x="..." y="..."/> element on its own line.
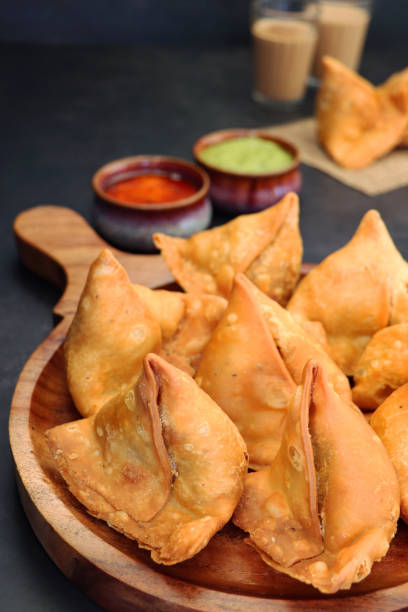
<point x="284" y="35"/>
<point x="342" y="28"/>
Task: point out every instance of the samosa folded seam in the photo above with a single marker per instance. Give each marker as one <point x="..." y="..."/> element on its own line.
<point x="252" y="364"/>
<point x="266" y="246"/>
<point x="355" y="291"/>
<point x="325" y="440"/>
<point x="160" y="462"/>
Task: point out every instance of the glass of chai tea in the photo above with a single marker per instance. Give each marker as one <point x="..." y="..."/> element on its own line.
<point x="284" y="35"/>
<point x="342" y="27"/>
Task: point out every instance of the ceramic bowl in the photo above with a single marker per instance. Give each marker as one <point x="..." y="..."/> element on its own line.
<point x="237" y="192"/>
<point x="130" y="226"/>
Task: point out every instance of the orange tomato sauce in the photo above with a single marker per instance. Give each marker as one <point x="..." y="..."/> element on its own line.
<point x="151" y="189"/>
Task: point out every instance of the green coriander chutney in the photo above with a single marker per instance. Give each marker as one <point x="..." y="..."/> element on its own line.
<point x="248" y="154"/>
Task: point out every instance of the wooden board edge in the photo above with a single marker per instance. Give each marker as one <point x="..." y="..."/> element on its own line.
<point x="87" y="571"/>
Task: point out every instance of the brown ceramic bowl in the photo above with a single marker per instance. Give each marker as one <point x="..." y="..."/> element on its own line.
<point x="239" y="192"/>
<point x="130" y="226"/>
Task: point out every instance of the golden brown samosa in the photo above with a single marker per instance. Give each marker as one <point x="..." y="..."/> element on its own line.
<point x="111" y="333"/>
<point x="355" y="291"/>
<point x="186" y="320"/>
<point x="252" y="364"/>
<point x="266" y="246"/>
<point x="243" y="371"/>
<point x="160" y="462"/>
<point x="356" y="123"/>
<point x="328" y="505"/>
<point x="295" y="345"/>
<point x="382" y="368"/>
<point x="390" y="422"/>
<point x="396" y="88"/>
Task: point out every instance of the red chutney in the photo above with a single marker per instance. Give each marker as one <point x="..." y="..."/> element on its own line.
<point x="151" y="189"/>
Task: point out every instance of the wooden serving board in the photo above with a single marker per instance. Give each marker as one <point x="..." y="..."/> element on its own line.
<point x="227" y="575"/>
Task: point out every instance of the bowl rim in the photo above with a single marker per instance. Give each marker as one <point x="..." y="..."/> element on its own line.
<point x="229" y="134"/>
<point x="116" y="165"/>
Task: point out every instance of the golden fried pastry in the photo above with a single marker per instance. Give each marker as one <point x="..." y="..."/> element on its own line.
<point x="243" y="371"/>
<point x="295" y="345"/>
<point x="186" y="321"/>
<point x="396" y="88"/>
<point x="266" y="246"/>
<point x="390" y="422"/>
<point x="355" y="292"/>
<point x="111" y="333"/>
<point x="356" y="123"/>
<point x="382" y="368"/>
<point x="252" y="364"/>
<point x="160" y="462"/>
<point x="312" y="514"/>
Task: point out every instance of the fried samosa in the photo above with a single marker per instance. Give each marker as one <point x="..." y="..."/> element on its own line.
<point x="355" y="292"/>
<point x="390" y="422"/>
<point x="252" y="364"/>
<point x="266" y="246"/>
<point x="396" y="88"/>
<point x="294" y="344"/>
<point x="328" y="505"/>
<point x="160" y="462"/>
<point x="382" y="368"/>
<point x="243" y="371"/>
<point x="356" y="123"/>
<point x="111" y="333"/>
<point x="186" y="321"/>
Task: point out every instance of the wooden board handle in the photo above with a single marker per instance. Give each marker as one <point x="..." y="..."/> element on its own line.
<point x="59" y="245"/>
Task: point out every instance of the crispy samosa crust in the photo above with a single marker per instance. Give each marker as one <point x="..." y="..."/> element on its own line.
<point x="266" y="246"/>
<point x="396" y="88"/>
<point x="252" y="364"/>
<point x="187" y="322"/>
<point x="111" y="333"/>
<point x="382" y="368"/>
<point x="160" y="462"/>
<point x="355" y="292"/>
<point x="356" y="122"/>
<point x="294" y="344"/>
<point x="328" y="505"/>
<point x="243" y="371"/>
<point x="390" y="422"/>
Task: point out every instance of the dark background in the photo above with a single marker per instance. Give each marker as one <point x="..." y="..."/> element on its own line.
<point x="82" y="83"/>
<point x="159" y="22"/>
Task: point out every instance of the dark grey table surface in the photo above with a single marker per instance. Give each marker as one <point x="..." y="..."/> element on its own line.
<point x="64" y="112"/>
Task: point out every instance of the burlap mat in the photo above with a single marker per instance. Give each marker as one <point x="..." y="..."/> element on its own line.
<point x="386" y="174"/>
